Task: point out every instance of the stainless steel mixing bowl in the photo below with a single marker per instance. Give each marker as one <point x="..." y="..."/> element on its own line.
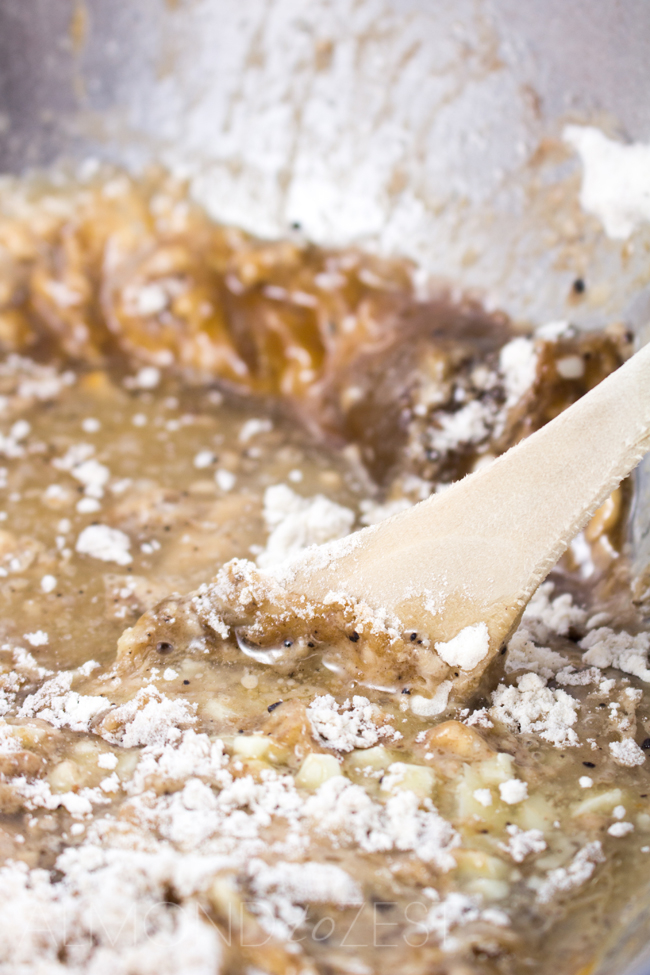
<point x="428" y="128"/>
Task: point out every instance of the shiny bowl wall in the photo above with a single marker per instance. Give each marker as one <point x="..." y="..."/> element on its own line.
<point x="428" y="128"/>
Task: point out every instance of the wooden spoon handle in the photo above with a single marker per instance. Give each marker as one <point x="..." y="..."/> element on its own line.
<point x="478" y="551"/>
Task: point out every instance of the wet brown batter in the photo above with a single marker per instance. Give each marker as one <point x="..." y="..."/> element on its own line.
<point x="248" y="784"/>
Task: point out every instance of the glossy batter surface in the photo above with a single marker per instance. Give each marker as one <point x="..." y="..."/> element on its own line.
<point x="248" y="784"/>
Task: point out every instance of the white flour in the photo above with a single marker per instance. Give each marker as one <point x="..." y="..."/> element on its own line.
<point x="295" y="523"/>
<point x="616" y="181"/>
<point x="352" y="724"/>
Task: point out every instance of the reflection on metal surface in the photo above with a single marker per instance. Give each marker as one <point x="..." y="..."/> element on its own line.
<point x="430" y="130"/>
<point x="638" y="316"/>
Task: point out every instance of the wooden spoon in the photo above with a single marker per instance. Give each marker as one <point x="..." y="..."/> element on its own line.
<point x="464" y="563"/>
